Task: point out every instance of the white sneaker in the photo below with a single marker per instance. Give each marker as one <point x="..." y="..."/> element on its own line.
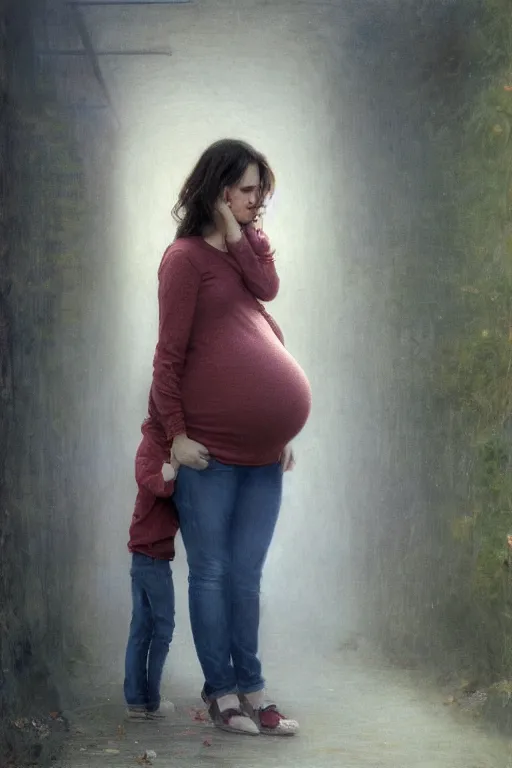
<point x="267" y="716"/>
<point x="166" y="707"/>
<point x="136" y="713"/>
<point x="227" y="715"/>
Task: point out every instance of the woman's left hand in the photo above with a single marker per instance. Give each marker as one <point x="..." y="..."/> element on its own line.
<point x="257" y="222"/>
<point x="287" y="459"/>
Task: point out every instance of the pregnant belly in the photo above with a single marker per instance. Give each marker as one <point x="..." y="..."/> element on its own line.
<point x="248" y="403"/>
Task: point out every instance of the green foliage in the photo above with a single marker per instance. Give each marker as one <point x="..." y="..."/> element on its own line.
<point x="440" y="576"/>
<point x="472" y="377"/>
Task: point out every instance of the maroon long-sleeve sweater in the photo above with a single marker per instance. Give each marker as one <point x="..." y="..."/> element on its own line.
<point x="155" y="521"/>
<point x="220" y="373"/>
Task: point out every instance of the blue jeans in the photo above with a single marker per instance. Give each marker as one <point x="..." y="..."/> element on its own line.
<point x="227" y="518"/>
<point x="151" y="631"/>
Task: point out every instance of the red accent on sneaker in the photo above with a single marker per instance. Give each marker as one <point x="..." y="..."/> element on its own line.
<point x="270" y="717"/>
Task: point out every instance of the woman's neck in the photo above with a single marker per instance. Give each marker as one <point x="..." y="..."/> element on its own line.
<point x="215" y="238"/>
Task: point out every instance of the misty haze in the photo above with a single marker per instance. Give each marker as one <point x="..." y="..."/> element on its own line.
<point x="386" y="599"/>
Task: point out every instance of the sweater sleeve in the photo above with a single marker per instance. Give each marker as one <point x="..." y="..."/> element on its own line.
<point x="255" y="258"/>
<point x="178" y="288"/>
<point x="149" y="475"/>
<point x="149" y="463"/>
<point x="273" y="324"/>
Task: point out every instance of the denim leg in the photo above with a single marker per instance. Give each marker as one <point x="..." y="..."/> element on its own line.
<point x="139" y="639"/>
<point x="205" y="501"/>
<point x="160" y="592"/>
<point x="151" y="630"/>
<point x="256" y="513"/>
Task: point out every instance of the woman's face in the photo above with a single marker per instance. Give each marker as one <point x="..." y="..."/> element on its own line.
<point x="244" y="197"/>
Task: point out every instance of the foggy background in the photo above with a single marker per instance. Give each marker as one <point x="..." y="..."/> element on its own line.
<point x="364" y="111"/>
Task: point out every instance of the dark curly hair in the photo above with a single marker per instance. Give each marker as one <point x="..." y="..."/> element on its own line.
<point x="221" y="165"/>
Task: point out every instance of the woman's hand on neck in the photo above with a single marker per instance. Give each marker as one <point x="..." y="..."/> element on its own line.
<point x="227" y="223"/>
<point x="225" y="228"/>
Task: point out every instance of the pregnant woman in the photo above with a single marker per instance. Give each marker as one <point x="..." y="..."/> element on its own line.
<point x="231" y="399"/>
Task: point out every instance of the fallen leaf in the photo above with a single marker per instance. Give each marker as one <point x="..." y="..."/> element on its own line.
<point x="207" y="743"/>
<point x="199" y="715"/>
